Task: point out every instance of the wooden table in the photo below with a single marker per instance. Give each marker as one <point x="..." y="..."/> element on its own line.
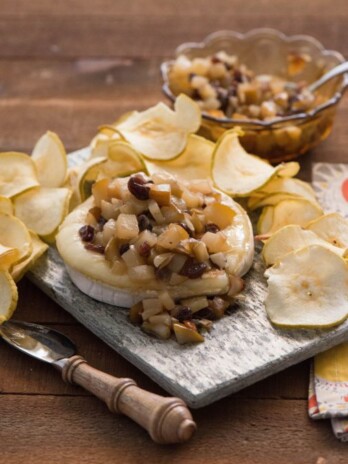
<point x="69" y="66"/>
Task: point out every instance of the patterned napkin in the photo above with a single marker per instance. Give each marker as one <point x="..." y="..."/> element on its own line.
<point x="328" y="389"/>
<point x="328" y="385"/>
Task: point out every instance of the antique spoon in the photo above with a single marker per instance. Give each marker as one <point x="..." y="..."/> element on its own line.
<point x="167" y="420"/>
<point x="334" y="72"/>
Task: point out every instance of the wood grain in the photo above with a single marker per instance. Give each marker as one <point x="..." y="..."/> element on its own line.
<point x="77" y="429"/>
<point x="146" y="36"/>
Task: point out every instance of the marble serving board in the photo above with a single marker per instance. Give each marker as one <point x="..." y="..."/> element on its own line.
<point x="240" y="350"/>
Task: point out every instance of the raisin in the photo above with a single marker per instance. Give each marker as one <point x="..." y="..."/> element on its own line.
<point x="181" y="313"/>
<point x="87" y="233"/>
<point x="96" y="212"/>
<point x="186" y="227"/>
<point x="97" y="248"/>
<point x="222" y="96"/>
<point x="101" y="222"/>
<point x="144" y="222"/>
<point x="232" y="308"/>
<point x="211" y="227"/>
<point x="162" y="273"/>
<point x="137" y="187"/>
<point x="238" y="76"/>
<point x="214" y="59"/>
<point x="205" y="313"/>
<point x="123" y="248"/>
<point x="193" y="269"/>
<point x="144" y="249"/>
<point x="191" y="76"/>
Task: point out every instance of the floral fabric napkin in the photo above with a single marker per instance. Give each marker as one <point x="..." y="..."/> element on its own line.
<point x="328" y="389"/>
<point x="328" y="385"/>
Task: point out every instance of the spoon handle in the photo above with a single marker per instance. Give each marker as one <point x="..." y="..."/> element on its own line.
<point x="334" y="72"/>
<point x="167" y="420"/>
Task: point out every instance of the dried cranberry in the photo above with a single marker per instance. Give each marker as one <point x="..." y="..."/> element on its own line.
<point x="238" y="76"/>
<point x="144" y="249"/>
<point x="86" y="233"/>
<point x="144" y="223"/>
<point x="97" y="248"/>
<point x="231" y="308"/>
<point x="193" y="269"/>
<point x="222" y="96"/>
<point x="123" y="248"/>
<point x="162" y="273"/>
<point x="96" y="212"/>
<point x="186" y="227"/>
<point x="137" y="187"/>
<point x="205" y="313"/>
<point x="182" y="313"/>
<point x="195" y="95"/>
<point x="211" y="227"/>
<point x="215" y="59"/>
<point x="101" y="222"/>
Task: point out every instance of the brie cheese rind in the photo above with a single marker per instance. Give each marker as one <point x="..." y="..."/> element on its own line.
<point x="92" y="274"/>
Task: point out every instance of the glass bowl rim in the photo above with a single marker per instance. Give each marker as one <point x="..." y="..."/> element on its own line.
<point x="257" y="123"/>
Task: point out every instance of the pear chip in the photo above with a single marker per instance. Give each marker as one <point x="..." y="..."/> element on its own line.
<point x="43" y="209"/>
<point x="304" y="293"/>
<point x="290" y="238"/>
<point x="49" y="155"/>
<point x="17" y="174"/>
<point x="8" y="296"/>
<point x="15" y="235"/>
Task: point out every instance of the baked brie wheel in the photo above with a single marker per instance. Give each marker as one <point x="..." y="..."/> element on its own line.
<point x="157" y="241"/>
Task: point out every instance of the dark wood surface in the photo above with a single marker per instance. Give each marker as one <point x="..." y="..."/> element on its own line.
<point x="69" y="66"/>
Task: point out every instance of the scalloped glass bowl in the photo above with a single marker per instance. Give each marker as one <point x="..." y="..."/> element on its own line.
<point x="265" y="51"/>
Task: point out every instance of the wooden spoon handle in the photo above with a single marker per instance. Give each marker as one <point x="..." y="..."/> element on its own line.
<point x="167" y="420"/>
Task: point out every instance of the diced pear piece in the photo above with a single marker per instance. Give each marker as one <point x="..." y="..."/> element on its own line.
<point x="161" y="193"/>
<point x="185" y="335"/>
<point x="171" y="237"/>
<point x="127" y="226"/>
<point x="219" y="214"/>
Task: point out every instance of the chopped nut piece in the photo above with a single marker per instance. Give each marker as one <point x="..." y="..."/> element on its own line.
<point x="196" y="303"/>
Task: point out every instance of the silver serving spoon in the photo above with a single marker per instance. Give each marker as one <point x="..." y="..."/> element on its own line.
<point x="334" y="72"/>
<point x="166" y="419"/>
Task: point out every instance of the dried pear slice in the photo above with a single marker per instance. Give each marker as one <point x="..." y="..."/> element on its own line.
<point x="8" y="256"/>
<point x="14" y="234"/>
<point x="39" y="248"/>
<point x="236" y="172"/>
<point x="290" y="169"/>
<point x="43" y="209"/>
<point x="8" y="296"/>
<point x="160" y="133"/>
<point x="291" y="238"/>
<point x="269" y="200"/>
<point x="87" y="175"/>
<point x="299" y="211"/>
<point x="193" y="163"/>
<point x="288" y="186"/>
<point x="265" y="221"/>
<point x="50" y="158"/>
<point x="122" y="160"/>
<point x="17" y="174"/>
<point x="6" y="205"/>
<point x="188" y="113"/>
<point x="304" y="293"/>
<point x="331" y="227"/>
